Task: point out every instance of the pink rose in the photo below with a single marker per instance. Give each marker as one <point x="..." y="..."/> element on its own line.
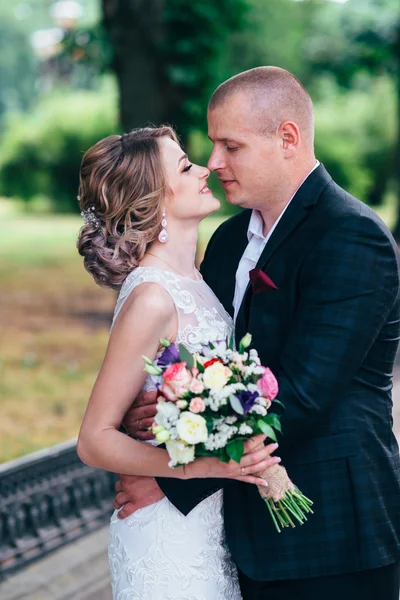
<point x="268" y="385"/>
<point x="196" y="386"/>
<point x="176" y="381"/>
<point x="197" y="405"/>
<point x="195" y="371"/>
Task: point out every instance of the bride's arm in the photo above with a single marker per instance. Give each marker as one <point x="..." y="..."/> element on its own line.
<point x="147" y="315"/>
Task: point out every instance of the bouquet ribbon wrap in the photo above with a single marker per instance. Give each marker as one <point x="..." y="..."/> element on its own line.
<point x="284" y="500"/>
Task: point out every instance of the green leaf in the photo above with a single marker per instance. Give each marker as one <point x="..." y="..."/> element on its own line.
<point x="273" y="420"/>
<point x="211" y="346"/>
<point x="185" y="356"/>
<point x="235" y="450"/>
<point x="236" y="404"/>
<point x="267" y="430"/>
<point x="200" y="367"/>
<point x="224" y="456"/>
<point x="279" y="402"/>
<point x="165" y="343"/>
<point x="210" y="422"/>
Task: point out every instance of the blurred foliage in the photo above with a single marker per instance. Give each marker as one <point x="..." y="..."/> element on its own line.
<point x="16" y="92"/>
<point x="20" y="74"/>
<point x="169" y="55"/>
<point x="356" y="146"/>
<point x="89" y="51"/>
<point x="42" y="150"/>
<point x="360" y="35"/>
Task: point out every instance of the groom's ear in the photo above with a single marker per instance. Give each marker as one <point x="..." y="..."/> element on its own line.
<point x="290" y="138"/>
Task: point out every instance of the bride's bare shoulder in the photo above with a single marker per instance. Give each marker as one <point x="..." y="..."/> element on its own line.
<point x="148" y="300"/>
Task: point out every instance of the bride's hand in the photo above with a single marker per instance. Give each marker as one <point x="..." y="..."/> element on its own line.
<point x="253" y="461"/>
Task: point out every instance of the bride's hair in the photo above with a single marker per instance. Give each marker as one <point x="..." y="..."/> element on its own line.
<point x="121" y="192"/>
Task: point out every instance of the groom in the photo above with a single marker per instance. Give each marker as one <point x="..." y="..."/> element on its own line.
<point x="313" y="275"/>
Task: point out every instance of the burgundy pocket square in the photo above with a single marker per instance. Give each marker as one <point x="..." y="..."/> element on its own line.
<point x="260" y="281"/>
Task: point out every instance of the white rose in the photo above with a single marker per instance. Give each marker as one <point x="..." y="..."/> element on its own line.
<point x="180" y="452"/>
<point x="192" y="428"/>
<point x="215" y="376"/>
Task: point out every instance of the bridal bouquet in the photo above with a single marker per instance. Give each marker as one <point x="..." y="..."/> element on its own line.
<point x="210" y="403"/>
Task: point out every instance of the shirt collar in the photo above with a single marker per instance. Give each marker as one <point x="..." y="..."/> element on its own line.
<point x="256" y="224"/>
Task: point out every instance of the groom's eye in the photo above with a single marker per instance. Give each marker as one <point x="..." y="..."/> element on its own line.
<point x="187" y="168"/>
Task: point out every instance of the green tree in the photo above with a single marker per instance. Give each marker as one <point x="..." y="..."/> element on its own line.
<point x="362" y="39"/>
<point x="168" y="57"/>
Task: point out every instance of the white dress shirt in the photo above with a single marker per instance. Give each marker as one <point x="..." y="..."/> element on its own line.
<point x="254" y="249"/>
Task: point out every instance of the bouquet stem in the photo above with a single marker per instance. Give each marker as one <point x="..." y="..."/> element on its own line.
<point x="285" y="502"/>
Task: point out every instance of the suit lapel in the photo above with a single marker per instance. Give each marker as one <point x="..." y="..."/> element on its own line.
<point x="306" y="197"/>
<point x="232" y="256"/>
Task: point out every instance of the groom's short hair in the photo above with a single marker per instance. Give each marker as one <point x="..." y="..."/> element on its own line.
<point x="275" y="96"/>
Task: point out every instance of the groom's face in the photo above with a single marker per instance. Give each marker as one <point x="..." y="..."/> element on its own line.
<point x="249" y="165"/>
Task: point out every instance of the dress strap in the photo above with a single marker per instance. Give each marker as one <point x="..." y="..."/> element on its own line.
<point x="172" y="283"/>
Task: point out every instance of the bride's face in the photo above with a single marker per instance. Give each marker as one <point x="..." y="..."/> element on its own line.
<point x="189" y="196"/>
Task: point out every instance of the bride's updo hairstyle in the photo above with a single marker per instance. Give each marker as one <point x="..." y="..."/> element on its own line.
<point x="121" y="192"/>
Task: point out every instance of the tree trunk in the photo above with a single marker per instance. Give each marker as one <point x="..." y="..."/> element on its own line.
<point x="135" y="29"/>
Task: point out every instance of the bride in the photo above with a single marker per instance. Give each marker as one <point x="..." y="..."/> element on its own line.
<point x="142" y="201"/>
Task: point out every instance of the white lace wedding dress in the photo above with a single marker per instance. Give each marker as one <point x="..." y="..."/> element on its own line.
<point x="157" y="553"/>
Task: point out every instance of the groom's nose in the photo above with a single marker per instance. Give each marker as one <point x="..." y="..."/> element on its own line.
<point x="215" y="161"/>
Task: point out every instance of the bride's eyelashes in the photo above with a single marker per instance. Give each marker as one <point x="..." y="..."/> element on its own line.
<point x="231" y="149"/>
<point x="186" y="169"/>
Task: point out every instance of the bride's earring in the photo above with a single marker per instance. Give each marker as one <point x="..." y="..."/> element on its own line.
<point x="163" y="235"/>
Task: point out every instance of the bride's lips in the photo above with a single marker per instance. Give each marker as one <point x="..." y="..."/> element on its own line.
<point x="205" y="190"/>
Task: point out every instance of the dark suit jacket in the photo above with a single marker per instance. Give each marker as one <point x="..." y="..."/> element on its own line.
<point x="330" y="333"/>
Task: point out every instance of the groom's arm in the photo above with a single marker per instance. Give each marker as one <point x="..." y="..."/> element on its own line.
<point x="349" y="285"/>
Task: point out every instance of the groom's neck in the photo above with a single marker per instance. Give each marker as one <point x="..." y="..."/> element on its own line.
<point x="277" y="200"/>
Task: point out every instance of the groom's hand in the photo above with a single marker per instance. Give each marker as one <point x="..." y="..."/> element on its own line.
<point x="140" y="416"/>
<point x="134" y="492"/>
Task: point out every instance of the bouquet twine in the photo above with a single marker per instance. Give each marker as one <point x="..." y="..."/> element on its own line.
<point x="284" y="500"/>
<point x="278" y="482"/>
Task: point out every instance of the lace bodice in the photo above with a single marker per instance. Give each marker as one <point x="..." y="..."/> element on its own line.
<point x="201" y="316"/>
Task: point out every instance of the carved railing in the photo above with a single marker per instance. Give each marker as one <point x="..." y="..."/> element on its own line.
<point x="48" y="499"/>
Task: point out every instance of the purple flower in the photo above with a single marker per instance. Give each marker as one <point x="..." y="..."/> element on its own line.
<point x="169" y="356"/>
<point x="247" y="399"/>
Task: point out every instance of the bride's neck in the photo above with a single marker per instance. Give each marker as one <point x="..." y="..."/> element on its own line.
<point x="179" y="251"/>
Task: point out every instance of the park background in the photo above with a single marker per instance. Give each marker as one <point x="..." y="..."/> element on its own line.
<point x="73" y="72"/>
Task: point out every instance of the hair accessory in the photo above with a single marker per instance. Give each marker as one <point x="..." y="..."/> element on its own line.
<point x="163" y="235"/>
<point x="90" y="217"/>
